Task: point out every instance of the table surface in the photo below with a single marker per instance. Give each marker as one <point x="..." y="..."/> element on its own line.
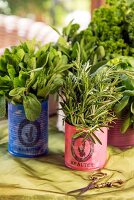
<point x="47" y="178"/>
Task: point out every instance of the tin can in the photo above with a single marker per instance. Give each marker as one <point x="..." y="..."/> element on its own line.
<point x="27" y="138"/>
<point x="83" y="154"/>
<point x="117" y="139"/>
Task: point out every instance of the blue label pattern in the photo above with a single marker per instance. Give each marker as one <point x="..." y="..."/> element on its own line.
<point x="26" y="138"/>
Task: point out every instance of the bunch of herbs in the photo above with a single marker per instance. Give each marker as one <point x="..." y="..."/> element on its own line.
<point x="88" y="99"/>
<point x="30" y="72"/>
<point x="109" y="35"/>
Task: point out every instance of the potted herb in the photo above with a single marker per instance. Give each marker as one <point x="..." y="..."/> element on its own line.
<point x="109" y="35"/>
<point x="87" y="100"/>
<point x="28" y="74"/>
<point x="121" y="133"/>
<point x="71" y="44"/>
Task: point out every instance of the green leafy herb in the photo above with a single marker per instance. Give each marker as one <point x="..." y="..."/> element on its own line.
<point x="29" y="73"/>
<point x="32" y="107"/>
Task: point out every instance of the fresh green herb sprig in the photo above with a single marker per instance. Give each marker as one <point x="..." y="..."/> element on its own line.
<point x="71" y="40"/>
<point x="29" y="73"/>
<point x="88" y="99"/>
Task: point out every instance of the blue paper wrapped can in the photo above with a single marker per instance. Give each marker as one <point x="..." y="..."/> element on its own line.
<point x="27" y="138"/>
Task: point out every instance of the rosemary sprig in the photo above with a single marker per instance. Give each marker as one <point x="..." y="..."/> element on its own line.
<point x="88" y="98"/>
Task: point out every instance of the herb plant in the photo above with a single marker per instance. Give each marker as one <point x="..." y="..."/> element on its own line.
<point x="29" y="73"/>
<point x="109" y="35"/>
<point x="88" y="99"/>
<point x="125" y="107"/>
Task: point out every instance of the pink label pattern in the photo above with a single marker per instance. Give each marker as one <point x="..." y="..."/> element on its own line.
<point x="83" y="154"/>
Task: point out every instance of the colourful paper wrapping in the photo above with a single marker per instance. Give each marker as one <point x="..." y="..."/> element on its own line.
<point x="27" y="138"/>
<point x="83" y="154"/>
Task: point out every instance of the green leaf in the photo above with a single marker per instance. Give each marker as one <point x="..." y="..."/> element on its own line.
<point x="132" y="107"/>
<point x="84" y="56"/>
<point x="127" y="82"/>
<point x="11" y="59"/>
<point x="55" y="29"/>
<point x="75" y="50"/>
<point x="95" y="59"/>
<point x="17" y="82"/>
<point x="53" y="53"/>
<point x="4" y="80"/>
<point x="31" y="64"/>
<point x="128" y="93"/>
<point x="64" y="60"/>
<point x="20" y="54"/>
<point x="3" y="64"/>
<point x="97" y="66"/>
<point x="126" y="124"/>
<point x="100" y="52"/>
<point x="43" y="49"/>
<point x="5" y="84"/>
<point x="11" y="71"/>
<point x="121" y="105"/>
<point x="33" y="79"/>
<point x="29" y="46"/>
<point x="52" y="86"/>
<point x="32" y="107"/>
<point x="27" y="57"/>
<point x="6" y="51"/>
<point x="63" y="46"/>
<point x="129" y="59"/>
<point x="2" y="106"/>
<point x="24" y="76"/>
<point x="42" y="60"/>
<point x="22" y="66"/>
<point x="63" y="42"/>
<point x="67" y="29"/>
<point x="17" y="91"/>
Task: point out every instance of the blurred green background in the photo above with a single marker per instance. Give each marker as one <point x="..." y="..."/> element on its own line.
<point x="52" y="12"/>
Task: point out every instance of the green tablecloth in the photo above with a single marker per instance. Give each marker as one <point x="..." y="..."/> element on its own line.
<point x="47" y="177"/>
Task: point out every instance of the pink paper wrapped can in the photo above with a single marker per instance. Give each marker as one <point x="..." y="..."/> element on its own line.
<point x="84" y="154"/>
<point x="117" y="139"/>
